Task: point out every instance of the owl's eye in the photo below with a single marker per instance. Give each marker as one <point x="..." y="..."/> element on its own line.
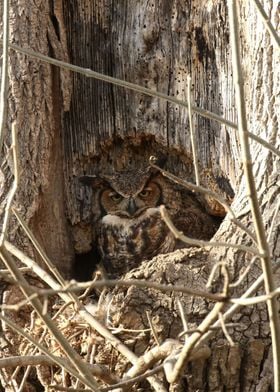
<point x="115" y="197"/>
<point x="145" y="192"/>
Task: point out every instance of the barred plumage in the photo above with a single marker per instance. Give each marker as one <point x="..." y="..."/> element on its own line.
<point x="129" y="228"/>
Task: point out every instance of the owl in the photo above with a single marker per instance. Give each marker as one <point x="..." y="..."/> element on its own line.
<point x="128" y="224"/>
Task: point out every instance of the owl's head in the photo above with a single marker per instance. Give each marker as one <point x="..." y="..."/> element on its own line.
<point x="126" y="194"/>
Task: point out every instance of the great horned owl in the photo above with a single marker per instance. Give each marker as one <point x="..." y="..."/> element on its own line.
<point x="128" y="223"/>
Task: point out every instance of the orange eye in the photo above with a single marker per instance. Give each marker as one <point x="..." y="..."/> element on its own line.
<point x="115" y="197"/>
<point x="145" y="192"/>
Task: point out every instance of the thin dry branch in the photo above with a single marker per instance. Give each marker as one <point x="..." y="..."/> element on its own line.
<point x="154" y="332"/>
<point x="183" y="318"/>
<point x="192" y="134"/>
<point x="42" y="348"/>
<point x="89" y="73"/>
<point x="74" y="286"/>
<point x="204" y="191"/>
<point x="212" y="274"/>
<point x="153" y="356"/>
<point x="75" y="389"/>
<point x="274" y="221"/>
<point x="249" y="266"/>
<point x="34" y="352"/>
<point x="243" y="275"/>
<point x="256" y="300"/>
<point x="172" y="373"/>
<point x="78" y="286"/>
<point x="235" y="308"/>
<point x="100" y="372"/>
<point x="39" y="249"/>
<point x="14" y="186"/>
<point x="24" y="378"/>
<point x="118" y="82"/>
<point x="267" y="23"/>
<point x="202" y="244"/>
<point x="81" y="310"/>
<point x="225" y="331"/>
<point x="168" y="347"/>
<point x="84" y="373"/>
<point x="272" y="303"/>
<point x="4" y="75"/>
<point x="212" y="328"/>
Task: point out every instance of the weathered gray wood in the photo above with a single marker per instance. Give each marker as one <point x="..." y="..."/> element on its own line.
<point x="157" y="45"/>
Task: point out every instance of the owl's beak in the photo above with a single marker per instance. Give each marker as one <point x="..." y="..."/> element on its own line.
<point x="132" y="207"/>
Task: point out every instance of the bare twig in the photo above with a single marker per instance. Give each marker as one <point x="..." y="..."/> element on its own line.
<point x="212" y="328"/>
<point x="16" y="307"/>
<point x="4" y="76"/>
<point x="39" y="249"/>
<point x="203" y="244"/>
<point x="267" y="23"/>
<point x="101" y="372"/>
<point x="272" y="303"/>
<point x="61" y="309"/>
<point x="42" y="348"/>
<point x="248" y="268"/>
<point x="192" y="133"/>
<point x="211" y="277"/>
<point x="75" y="389"/>
<point x="274" y="221"/>
<point x="153" y="356"/>
<point x="34" y="352"/>
<point x="173" y="374"/>
<point x="256" y="300"/>
<point x="205" y="191"/>
<point x="75" y="359"/>
<point x="154" y="332"/>
<point x="234" y="308"/>
<point x="225" y="331"/>
<point x="183" y="318"/>
<point x="82" y="311"/>
<point x="14" y="186"/>
<point x="244" y="273"/>
<point x="24" y="378"/>
<point x="77" y="286"/>
<point x="200" y="353"/>
<point x="118" y="82"/>
<point x="6" y="273"/>
<point x="264" y="143"/>
<point x="143" y="90"/>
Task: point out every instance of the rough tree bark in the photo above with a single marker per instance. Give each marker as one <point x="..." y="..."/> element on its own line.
<point x="69" y="125"/>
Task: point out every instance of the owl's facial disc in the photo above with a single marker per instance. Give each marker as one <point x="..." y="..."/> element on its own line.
<point x="131" y="206"/>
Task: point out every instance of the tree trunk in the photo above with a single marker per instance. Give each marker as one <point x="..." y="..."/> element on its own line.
<point x="69" y="125"/>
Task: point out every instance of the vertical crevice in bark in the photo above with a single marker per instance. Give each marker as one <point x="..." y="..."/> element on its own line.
<point x="49" y="222"/>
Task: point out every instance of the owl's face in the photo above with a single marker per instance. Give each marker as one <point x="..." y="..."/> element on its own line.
<point x="125" y="194"/>
<point x="133" y="204"/>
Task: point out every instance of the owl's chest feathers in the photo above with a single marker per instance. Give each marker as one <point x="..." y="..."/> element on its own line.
<point x="134" y="240"/>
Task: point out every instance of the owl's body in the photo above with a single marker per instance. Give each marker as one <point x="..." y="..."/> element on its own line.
<point x="129" y="228"/>
<point x="124" y="243"/>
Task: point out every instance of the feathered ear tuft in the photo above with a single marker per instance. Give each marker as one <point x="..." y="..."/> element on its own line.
<point x="91" y="180"/>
